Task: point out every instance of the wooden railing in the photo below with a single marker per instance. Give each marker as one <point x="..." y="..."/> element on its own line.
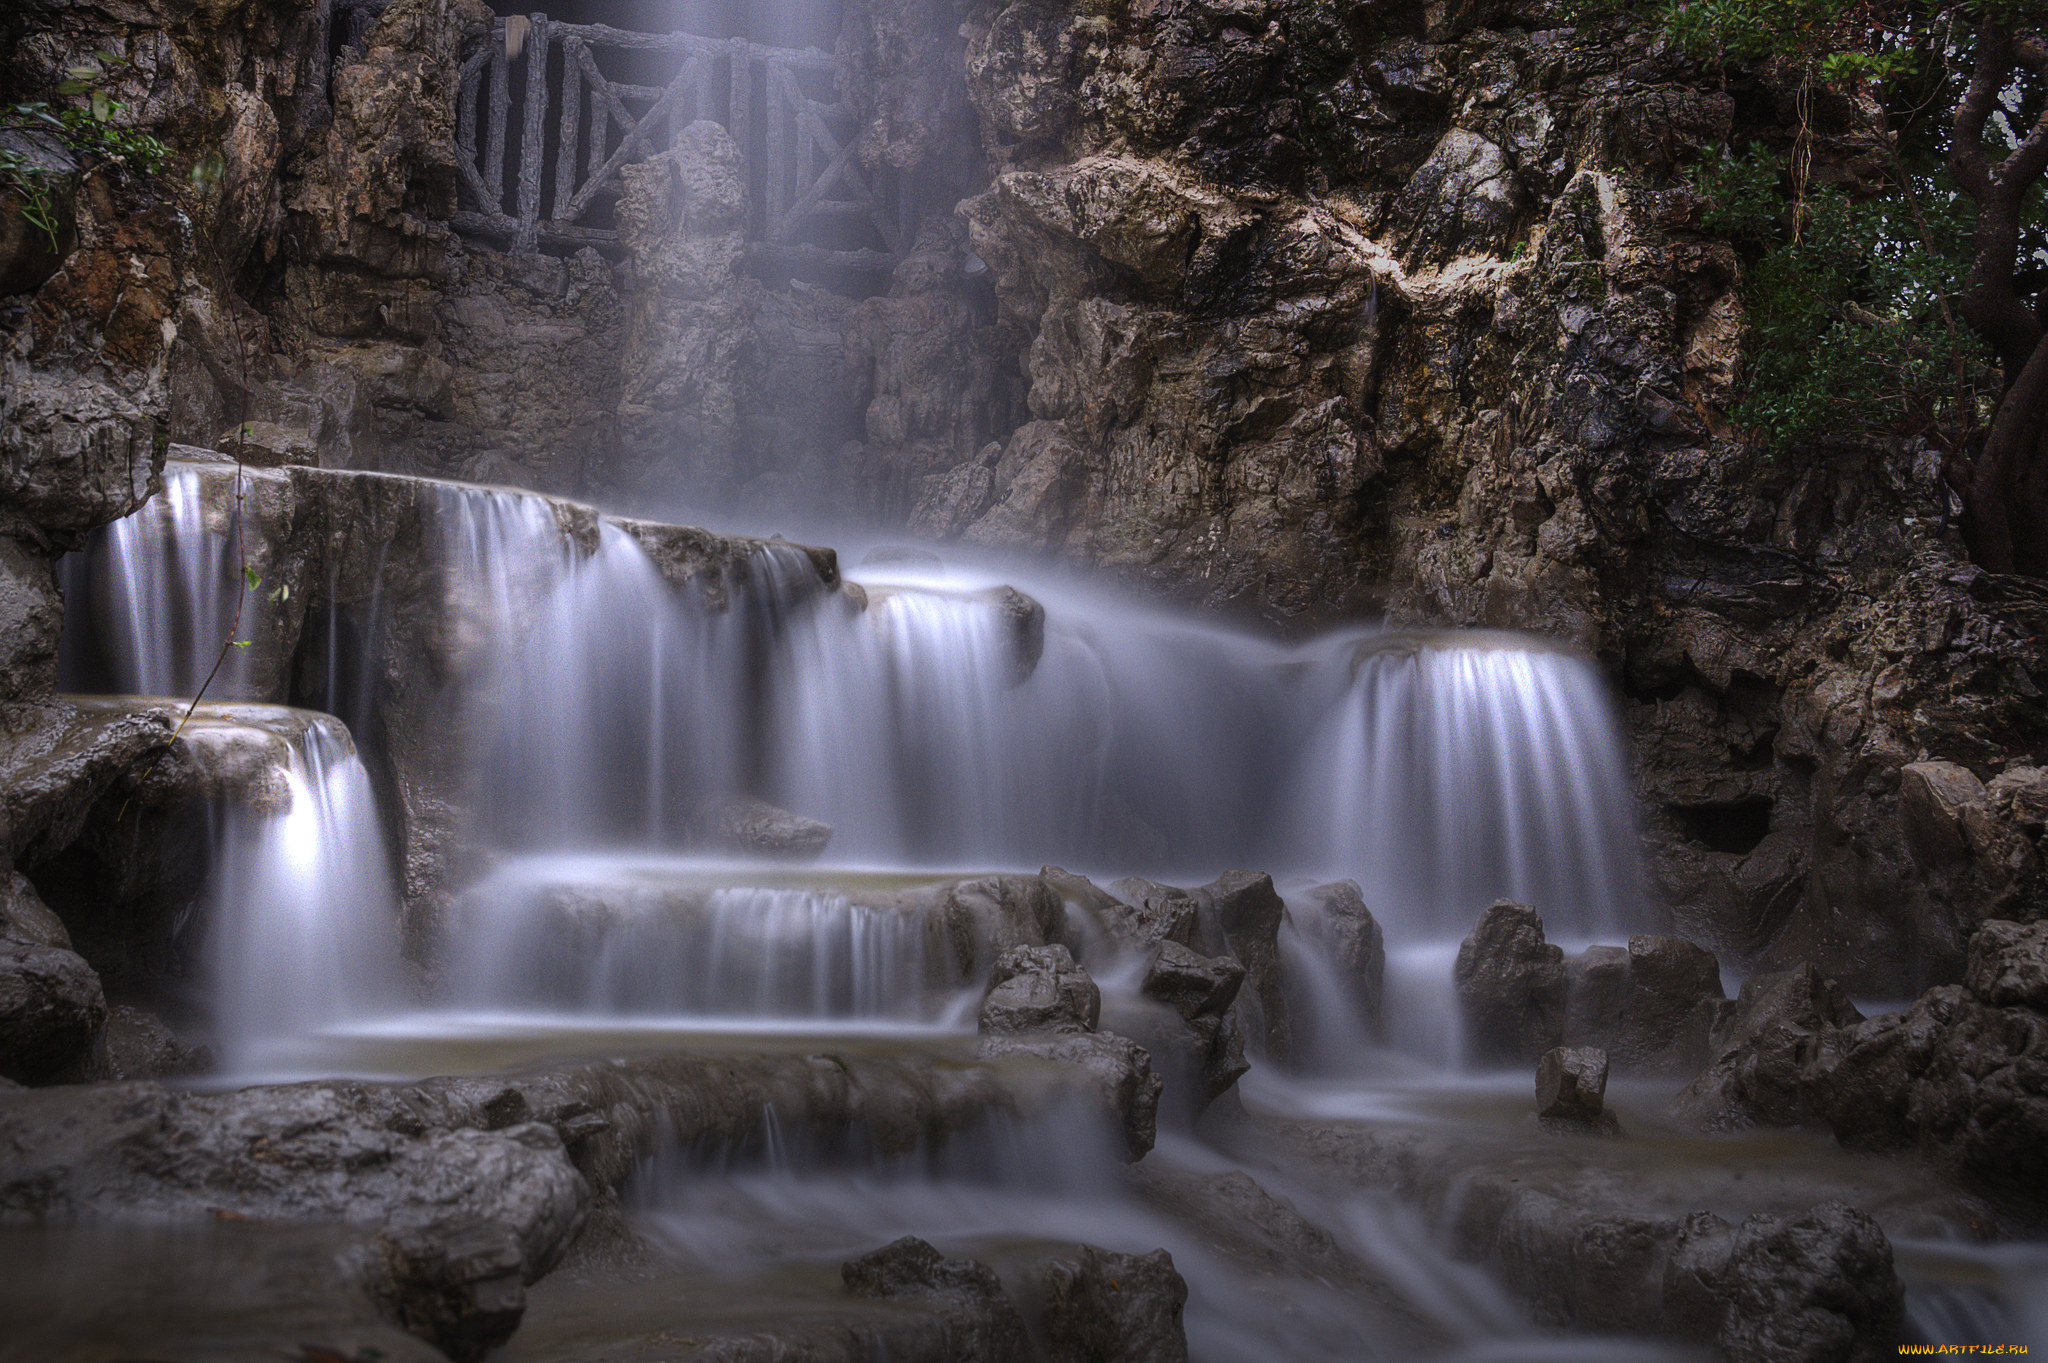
<point x="551" y="180"/>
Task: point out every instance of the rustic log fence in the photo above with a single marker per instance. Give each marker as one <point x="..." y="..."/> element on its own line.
<point x="543" y="131"/>
<point x="549" y="177"/>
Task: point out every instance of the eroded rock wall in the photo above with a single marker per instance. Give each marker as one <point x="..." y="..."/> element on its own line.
<point x="1324" y="309"/>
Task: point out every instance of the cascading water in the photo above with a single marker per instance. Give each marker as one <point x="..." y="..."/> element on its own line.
<point x="559" y="935"/>
<point x="937" y="722"/>
<point x="1453" y="769"/>
<point x="161" y="592"/>
<point x="297" y="910"/>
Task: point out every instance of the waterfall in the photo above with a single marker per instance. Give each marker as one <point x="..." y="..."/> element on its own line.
<point x="935" y="719"/>
<point x="1449" y="770"/>
<point x="151" y="601"/>
<point x="612" y="939"/>
<point x="298" y="909"/>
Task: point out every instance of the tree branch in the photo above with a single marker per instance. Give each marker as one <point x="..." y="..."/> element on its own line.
<point x="1966" y="146"/>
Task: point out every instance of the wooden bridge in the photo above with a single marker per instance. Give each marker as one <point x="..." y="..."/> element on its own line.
<point x="544" y="129"/>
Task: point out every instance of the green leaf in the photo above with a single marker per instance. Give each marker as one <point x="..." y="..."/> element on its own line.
<point x="245" y="643"/>
<point x="252" y="577"/>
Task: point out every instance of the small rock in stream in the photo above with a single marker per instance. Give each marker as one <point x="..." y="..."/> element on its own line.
<point x="1571" y="1082"/>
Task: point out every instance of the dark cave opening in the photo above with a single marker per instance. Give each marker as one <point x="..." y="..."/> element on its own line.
<point x="1735" y="826"/>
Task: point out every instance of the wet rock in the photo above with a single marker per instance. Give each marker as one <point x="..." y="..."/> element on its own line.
<point x="1352" y="937"/>
<point x="1191" y="984"/>
<point x="986" y="1326"/>
<point x="1463" y="200"/>
<point x="52" y="775"/>
<point x="1774" y="1045"/>
<point x="24" y="917"/>
<point x="1025" y="620"/>
<point x="456" y="1283"/>
<point x="1115" y="1071"/>
<point x="977" y="920"/>
<point x="1960" y="1076"/>
<point x="1649" y="1006"/>
<point x="1933" y="797"/>
<point x="299" y="1152"/>
<point x="1815" y="1287"/>
<point x="1193" y="1038"/>
<point x="1237" y="915"/>
<point x="1570" y="1084"/>
<point x="683" y="221"/>
<point x="1092" y="1304"/>
<point x="2009" y="966"/>
<point x="51" y="1008"/>
<point x="902" y="556"/>
<point x="737" y="823"/>
<point x="1040" y="989"/>
<point x="1511" y="987"/>
<point x="135" y="1044"/>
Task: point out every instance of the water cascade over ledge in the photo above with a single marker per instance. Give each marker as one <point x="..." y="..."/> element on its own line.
<point x="931" y="720"/>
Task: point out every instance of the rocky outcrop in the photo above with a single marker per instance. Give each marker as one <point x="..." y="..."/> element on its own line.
<point x="1817" y="1286"/>
<point x="1774" y="1046"/>
<point x="1081" y="1303"/>
<point x="1511" y="987"/>
<point x="1960" y="1077"/>
<point x="1040" y="1003"/>
<point x="309" y="1152"/>
<point x="1650" y="1005"/>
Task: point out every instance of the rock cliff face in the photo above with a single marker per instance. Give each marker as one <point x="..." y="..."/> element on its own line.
<point x="1285" y="308"/>
<point x="1323" y="309"/>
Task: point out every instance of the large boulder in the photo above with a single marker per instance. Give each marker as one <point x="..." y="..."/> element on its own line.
<point x="1336" y="918"/>
<point x="1650" y="1006"/>
<point x="1816" y="1288"/>
<point x="1182" y="1017"/>
<point x="1511" y="988"/>
<point x="51" y="1008"/>
<point x="984" y="1324"/>
<point x="1773" y="1046"/>
<point x="1961" y="1076"/>
<point x="1034" y="989"/>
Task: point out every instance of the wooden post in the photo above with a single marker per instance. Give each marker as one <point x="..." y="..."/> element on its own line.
<point x="778" y="145"/>
<point x="740" y="117"/>
<point x="501" y="110"/>
<point x="600" y="130"/>
<point x="533" y="137"/>
<point x="572" y="118"/>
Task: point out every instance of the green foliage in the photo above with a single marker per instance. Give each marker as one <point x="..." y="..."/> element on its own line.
<point x="1845" y="304"/>
<point x="89" y="127"/>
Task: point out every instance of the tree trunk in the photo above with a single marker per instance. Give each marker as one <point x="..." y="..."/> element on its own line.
<point x="2005" y="492"/>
